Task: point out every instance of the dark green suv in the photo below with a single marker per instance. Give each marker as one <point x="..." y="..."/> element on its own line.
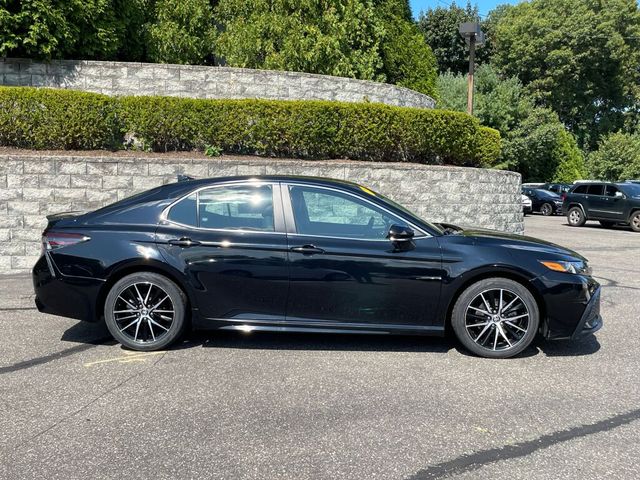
<point x="608" y="203"/>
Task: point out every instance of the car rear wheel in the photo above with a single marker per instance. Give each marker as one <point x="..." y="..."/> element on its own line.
<point x="145" y="311"/>
<point x="546" y="209"/>
<point x="575" y="217"/>
<point x="495" y="318"/>
<point x="635" y="221"/>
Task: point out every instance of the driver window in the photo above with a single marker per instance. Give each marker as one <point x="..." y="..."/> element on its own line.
<point x="611" y="191"/>
<point x="330" y="213"/>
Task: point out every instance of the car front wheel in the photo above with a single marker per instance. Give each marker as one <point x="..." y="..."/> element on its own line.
<point x="635" y="221"/>
<point x="495" y="318"/>
<point x="145" y="311"/>
<point x="575" y="217"/>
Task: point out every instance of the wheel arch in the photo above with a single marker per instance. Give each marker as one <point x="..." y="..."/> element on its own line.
<point x="577" y="204"/>
<point x="509" y="274"/>
<point x="137" y="266"/>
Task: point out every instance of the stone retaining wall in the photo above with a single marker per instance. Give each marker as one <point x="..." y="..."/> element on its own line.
<point x="32" y="186"/>
<point x="127" y="78"/>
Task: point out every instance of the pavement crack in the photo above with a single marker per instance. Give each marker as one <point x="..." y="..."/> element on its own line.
<point x="474" y="461"/>
<point x="90" y="403"/>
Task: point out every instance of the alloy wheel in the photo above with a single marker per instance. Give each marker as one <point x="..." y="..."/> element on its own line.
<point x="546" y="210"/>
<point x="635" y="223"/>
<point x="574" y="217"/>
<point x="143" y="312"/>
<point x="497" y="319"/>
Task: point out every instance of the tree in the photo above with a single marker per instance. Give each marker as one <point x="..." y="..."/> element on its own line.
<point x="406" y="58"/>
<point x="535" y="142"/>
<point x="330" y="37"/>
<point x="183" y="32"/>
<point x="91" y="29"/>
<point x="617" y="158"/>
<point x="440" y="29"/>
<point x="579" y="57"/>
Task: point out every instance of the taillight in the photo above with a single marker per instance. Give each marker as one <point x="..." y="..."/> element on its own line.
<point x="53" y="240"/>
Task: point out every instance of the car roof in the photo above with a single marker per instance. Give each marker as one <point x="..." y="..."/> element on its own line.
<point x="311" y="180"/>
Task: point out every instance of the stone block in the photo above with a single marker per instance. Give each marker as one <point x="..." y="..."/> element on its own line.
<point x="137" y="169"/>
<point x="11" y="166"/>
<point x="114" y="182"/>
<point x="37" y="194"/>
<point x="86" y="181"/>
<point x="25" y="262"/>
<point x="55" y="181"/>
<point x="71" y="166"/>
<point x="20" y="207"/>
<point x="70" y="194"/>
<point x="102" y="168"/>
<point x="39" y="166"/>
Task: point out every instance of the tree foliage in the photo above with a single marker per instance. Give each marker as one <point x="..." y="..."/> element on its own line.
<point x="617" y="158"/>
<point x="579" y="57"/>
<point x="535" y="142"/>
<point x="183" y="32"/>
<point x="439" y="26"/>
<point x="331" y="37"/>
<point x="406" y="58"/>
<point x="88" y="29"/>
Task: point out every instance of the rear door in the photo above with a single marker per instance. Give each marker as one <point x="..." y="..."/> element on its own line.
<point x="230" y="241"/>
<point x="343" y="269"/>
<point x="597" y="204"/>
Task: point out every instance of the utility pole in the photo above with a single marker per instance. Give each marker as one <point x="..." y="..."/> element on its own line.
<point x="472" y="59"/>
<point x="473" y="36"/>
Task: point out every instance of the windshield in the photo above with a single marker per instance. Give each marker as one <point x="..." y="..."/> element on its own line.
<point x="631" y="189"/>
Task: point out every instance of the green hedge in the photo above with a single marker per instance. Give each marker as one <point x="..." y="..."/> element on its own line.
<point x="45" y="118"/>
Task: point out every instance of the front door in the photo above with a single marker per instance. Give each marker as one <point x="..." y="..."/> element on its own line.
<point x="230" y="241"/>
<point x="614" y="203"/>
<point x="344" y="270"/>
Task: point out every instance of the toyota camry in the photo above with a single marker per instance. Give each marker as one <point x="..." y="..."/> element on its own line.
<point x="303" y="254"/>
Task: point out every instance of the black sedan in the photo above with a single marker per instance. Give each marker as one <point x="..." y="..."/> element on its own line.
<point x="543" y="201"/>
<point x="304" y="254"/>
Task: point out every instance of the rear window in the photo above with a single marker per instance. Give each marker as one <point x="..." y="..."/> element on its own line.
<point x="237" y="207"/>
<point x="580" y="189"/>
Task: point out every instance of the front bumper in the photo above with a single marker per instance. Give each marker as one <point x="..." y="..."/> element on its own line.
<point x="591" y="321"/>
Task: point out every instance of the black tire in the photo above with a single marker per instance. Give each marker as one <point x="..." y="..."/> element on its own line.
<point x="607" y="224"/>
<point x="131" y="302"/>
<point x="546" y="209"/>
<point x="634" y="221"/>
<point x="575" y="217"/>
<point x="499" y="330"/>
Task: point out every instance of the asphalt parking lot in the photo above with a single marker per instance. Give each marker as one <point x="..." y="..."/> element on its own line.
<point x="232" y="405"/>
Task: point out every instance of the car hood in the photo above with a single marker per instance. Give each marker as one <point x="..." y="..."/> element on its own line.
<point x="511" y="240"/>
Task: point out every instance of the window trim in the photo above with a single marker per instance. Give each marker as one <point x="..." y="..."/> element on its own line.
<point x="290" y="217"/>
<point x="278" y="215"/>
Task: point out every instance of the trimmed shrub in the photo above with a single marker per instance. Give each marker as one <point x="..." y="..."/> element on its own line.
<point x="64" y="119"/>
<point x="58" y="119"/>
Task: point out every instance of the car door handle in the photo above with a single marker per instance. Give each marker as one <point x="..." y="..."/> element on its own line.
<point x="307" y="249"/>
<point x="183" y="242"/>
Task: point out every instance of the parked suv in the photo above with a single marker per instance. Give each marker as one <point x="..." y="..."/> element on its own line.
<point x="608" y="203"/>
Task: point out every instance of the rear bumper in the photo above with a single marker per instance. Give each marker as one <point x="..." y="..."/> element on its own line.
<point x="66" y="296"/>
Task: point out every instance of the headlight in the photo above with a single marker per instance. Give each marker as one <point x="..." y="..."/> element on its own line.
<point x="578" y="267"/>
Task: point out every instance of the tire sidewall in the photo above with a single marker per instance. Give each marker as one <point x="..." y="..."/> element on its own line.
<point x="546" y="209"/>
<point x="175" y="294"/>
<point x="581" y="220"/>
<point x="633" y="216"/>
<point x="460" y="308"/>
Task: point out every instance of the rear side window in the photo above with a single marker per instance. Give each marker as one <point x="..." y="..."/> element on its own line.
<point x="581" y="189"/>
<point x="595" y="189"/>
<point x="238" y="207"/>
<point x="185" y="211"/>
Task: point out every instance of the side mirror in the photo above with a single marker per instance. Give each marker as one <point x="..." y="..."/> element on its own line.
<point x="619" y="194"/>
<point x="400" y="233"/>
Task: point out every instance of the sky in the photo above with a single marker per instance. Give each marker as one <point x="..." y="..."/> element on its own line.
<point x="484" y="6"/>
